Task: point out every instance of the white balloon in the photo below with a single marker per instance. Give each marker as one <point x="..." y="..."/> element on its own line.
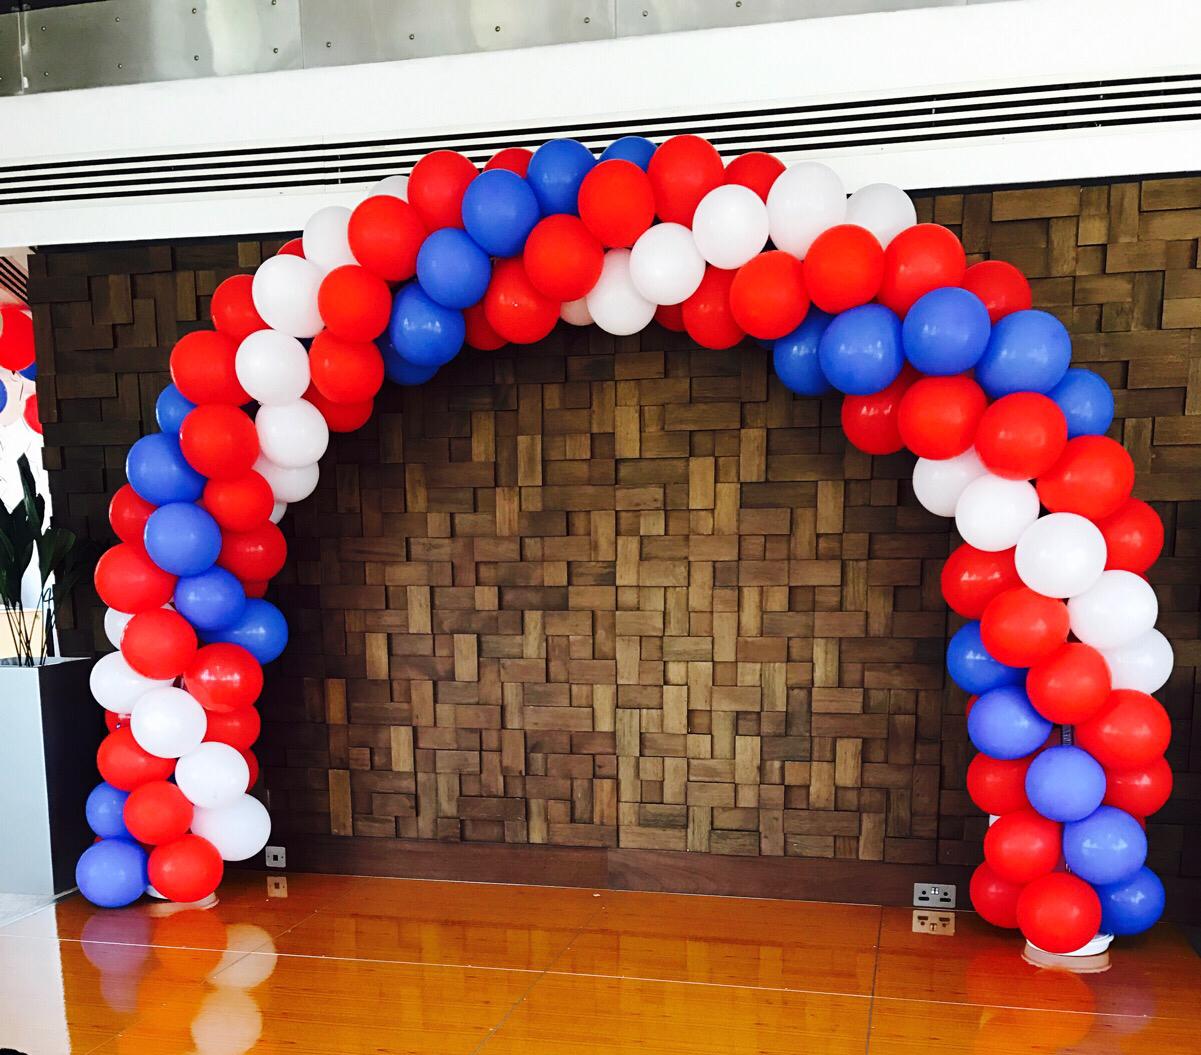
<point x="730" y="226"/>
<point x="992" y="513"/>
<point x="292" y="434"/>
<point x="614" y="304"/>
<point x="1118" y="609"/>
<point x="665" y="265"/>
<point x="272" y="367"/>
<point x="116" y="685"/>
<point x="288" y="483"/>
<point x="394" y="186"/>
<point x="228" y="1022"/>
<point x="938" y="483"/>
<point x="279" y="508"/>
<point x="168" y="722"/>
<point x="238" y="830"/>
<point x="806" y="199"/>
<point x="1144" y="663"/>
<point x="1060" y="555"/>
<point x="576" y="312"/>
<point x="114" y="625"/>
<point x="883" y="209"/>
<point x="284" y="292"/>
<point x="324" y="239"/>
<point x="236" y="970"/>
<point x="212" y="775"/>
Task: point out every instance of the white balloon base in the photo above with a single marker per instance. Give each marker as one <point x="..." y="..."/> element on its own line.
<point x="1091" y="958"/>
<point x="163" y="907"/>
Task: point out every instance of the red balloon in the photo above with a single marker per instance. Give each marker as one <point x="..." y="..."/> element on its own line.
<point x="252" y="763"/>
<point x="239" y="729"/>
<point x="1023" y="845"/>
<point x="437" y="185"/>
<point x="256" y="554"/>
<point x="479" y="333"/>
<point x="224" y="677"/>
<point x="157" y="812"/>
<point x="255" y="587"/>
<point x="1021" y="435"/>
<point x="670" y="317"/>
<point x="756" y="170"/>
<point x="562" y="257"/>
<point x="921" y="258"/>
<point x="1140" y="791"/>
<point x="345" y="371"/>
<point x="972" y="578"/>
<point x="186" y="869"/>
<point x="707" y="315"/>
<point x="768" y="297"/>
<point x="30" y="414"/>
<point x="1059" y="913"/>
<point x="843" y="268"/>
<point x="1093" y="477"/>
<point x="1133" y="536"/>
<point x="939" y="415"/>
<point x="127" y="513"/>
<point x="1130" y="730"/>
<point x="998" y="785"/>
<point x="354" y="303"/>
<point x="994" y="899"/>
<point x="239" y="504"/>
<point x="1020" y="627"/>
<point x="129" y="581"/>
<point x="515" y="159"/>
<point x="1001" y="286"/>
<point x="202" y="367"/>
<point x="870" y="422"/>
<point x="341" y="417"/>
<point x="219" y="441"/>
<point x="232" y="308"/>
<point x="125" y="765"/>
<point x="159" y="643"/>
<point x="16" y="338"/>
<point x="616" y="204"/>
<point x="514" y="307"/>
<point x="292" y="247"/>
<point x="1070" y="685"/>
<point x="682" y="171"/>
<point x="114" y="721"/>
<point x="385" y="234"/>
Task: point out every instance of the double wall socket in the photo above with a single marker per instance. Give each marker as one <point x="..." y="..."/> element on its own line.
<point x="926" y="921"/>
<point x="930" y="895"/>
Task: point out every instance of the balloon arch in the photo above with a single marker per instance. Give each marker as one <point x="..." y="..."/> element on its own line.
<point x="1059" y="651"/>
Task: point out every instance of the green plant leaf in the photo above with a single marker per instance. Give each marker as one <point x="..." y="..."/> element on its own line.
<point x="35" y="504"/>
<point x="53" y="547"/>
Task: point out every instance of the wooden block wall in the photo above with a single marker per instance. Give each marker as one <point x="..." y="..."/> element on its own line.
<point x="629" y="593"/>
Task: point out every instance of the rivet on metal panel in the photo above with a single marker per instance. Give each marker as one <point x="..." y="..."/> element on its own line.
<point x="329" y="44"/>
<point x="275" y="51"/>
<point x="120" y="65"/>
<point x="497" y="28"/>
<point x="412" y="36"/>
<point x="195" y="58"/>
<point x="587" y="20"/>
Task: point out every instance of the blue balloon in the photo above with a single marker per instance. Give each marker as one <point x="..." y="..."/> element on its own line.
<point x="182" y="538"/>
<point x="795" y="356"/>
<point x="30" y="372"/>
<point x="262" y="631"/>
<point x="1029" y="351"/>
<point x="635" y="149"/>
<point x="1086" y="401"/>
<point x="3" y="397"/>
<point x="400" y="371"/>
<point x="1003" y="724"/>
<point x="1065" y="783"/>
<point x="972" y="668"/>
<point x="1108" y="846"/>
<point x="452" y="269"/>
<point x="1133" y="905"/>
<point x="946" y="331"/>
<point x="105" y="811"/>
<point x="210" y="601"/>
<point x="112" y="873"/>
<point x="556" y="171"/>
<point x="171" y="408"/>
<point x="158" y="472"/>
<point x="860" y="352"/>
<point x="423" y="331"/>
<point x="499" y="212"/>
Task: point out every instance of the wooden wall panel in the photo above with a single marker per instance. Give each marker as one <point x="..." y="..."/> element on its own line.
<point x="632" y="594"/>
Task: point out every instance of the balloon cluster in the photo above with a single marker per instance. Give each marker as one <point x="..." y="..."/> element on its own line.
<point x="849" y="293"/>
<point x="17" y="355"/>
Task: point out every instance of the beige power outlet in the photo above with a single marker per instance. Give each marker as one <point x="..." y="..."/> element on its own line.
<point x="926" y="921"/>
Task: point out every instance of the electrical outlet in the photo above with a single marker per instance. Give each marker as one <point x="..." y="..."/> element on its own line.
<point x="927" y="922"/>
<point x="933" y="895"/>
<point x="277" y="886"/>
<point x="277" y="857"/>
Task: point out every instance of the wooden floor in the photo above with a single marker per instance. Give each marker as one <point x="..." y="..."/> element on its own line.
<point x="340" y="965"/>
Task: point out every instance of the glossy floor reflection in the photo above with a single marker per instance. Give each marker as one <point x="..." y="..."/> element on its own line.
<point x="343" y="965"/>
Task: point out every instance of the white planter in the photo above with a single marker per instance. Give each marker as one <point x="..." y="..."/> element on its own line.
<point x="51" y="729"/>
